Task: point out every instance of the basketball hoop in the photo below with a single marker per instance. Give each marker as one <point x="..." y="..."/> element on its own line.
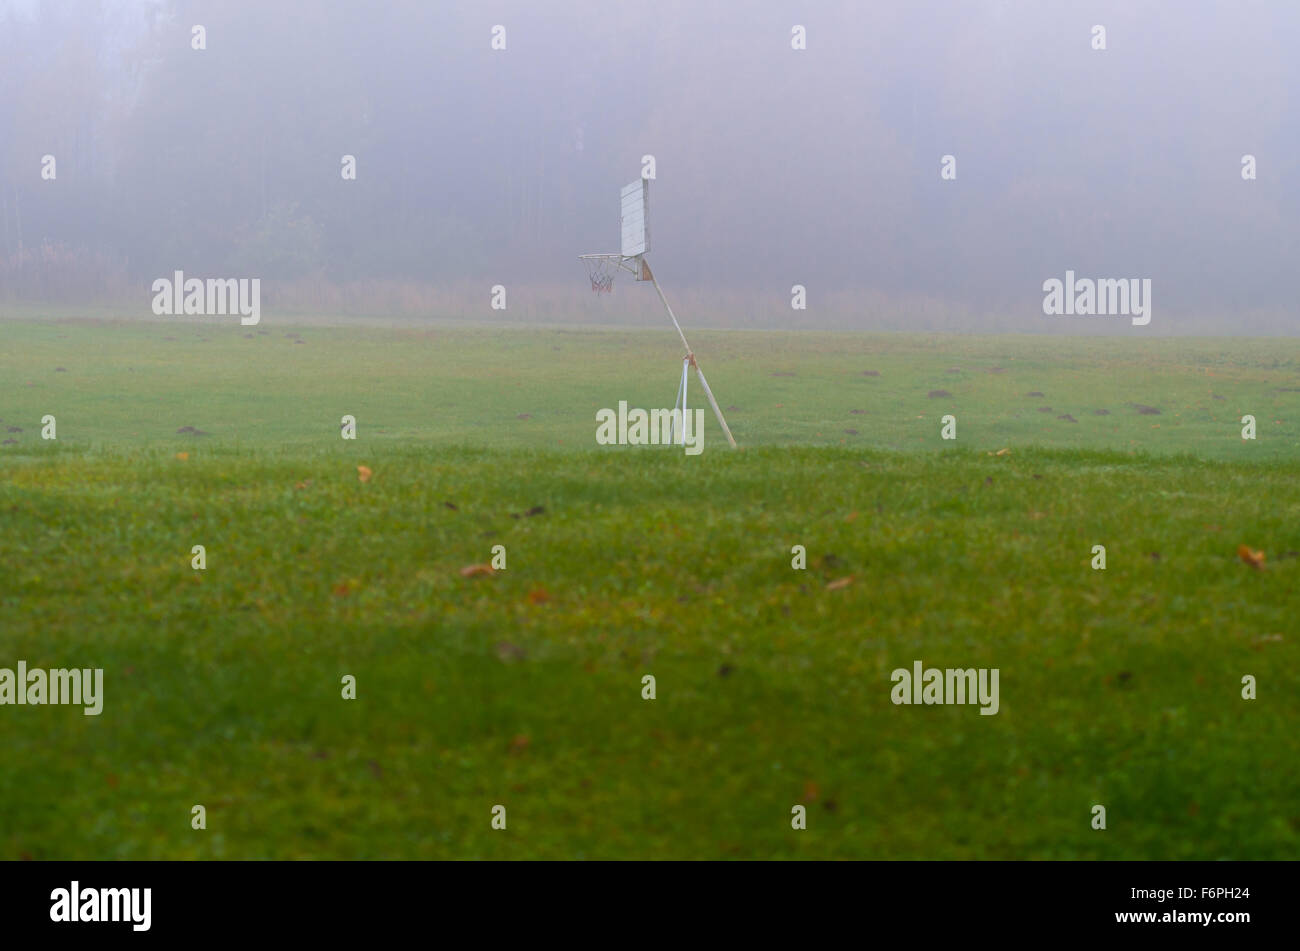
<point x="601" y="269"/>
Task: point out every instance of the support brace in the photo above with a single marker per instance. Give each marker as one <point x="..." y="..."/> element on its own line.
<point x="689" y="359"/>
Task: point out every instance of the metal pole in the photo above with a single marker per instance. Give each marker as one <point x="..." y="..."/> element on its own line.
<point x="690" y="356"/>
<point x="679" y="408"/>
<point x="671" y="316"/>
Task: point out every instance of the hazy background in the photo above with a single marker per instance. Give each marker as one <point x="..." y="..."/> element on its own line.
<point x="774" y="166"/>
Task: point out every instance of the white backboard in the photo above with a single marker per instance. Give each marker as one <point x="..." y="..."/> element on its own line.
<point x="635" y="226"/>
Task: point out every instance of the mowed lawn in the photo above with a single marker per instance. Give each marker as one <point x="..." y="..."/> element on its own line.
<point x="134" y="384"/>
<point x="523" y="687"/>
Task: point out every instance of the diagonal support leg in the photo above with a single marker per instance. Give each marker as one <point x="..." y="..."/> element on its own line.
<point x="712" y="402"/>
<point x="690" y="357"/>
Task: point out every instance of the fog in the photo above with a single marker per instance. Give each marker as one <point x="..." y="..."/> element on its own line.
<point x="772" y="166"/>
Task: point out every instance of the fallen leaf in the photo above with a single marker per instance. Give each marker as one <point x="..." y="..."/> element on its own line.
<point x="473" y="571"/>
<point x="538" y="596"/>
<point x="1251" y="557"/>
<point x="182" y="456"/>
<point x="811" y="791"/>
<point x="1001" y="452"/>
<point x="508" y="652"/>
<point x="840" y="583"/>
<point x="519" y="743"/>
<point x="363" y="473"/>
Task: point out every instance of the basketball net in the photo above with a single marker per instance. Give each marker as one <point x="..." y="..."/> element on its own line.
<point x="601" y="270"/>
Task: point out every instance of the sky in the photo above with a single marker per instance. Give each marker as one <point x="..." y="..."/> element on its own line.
<point x="792" y="143"/>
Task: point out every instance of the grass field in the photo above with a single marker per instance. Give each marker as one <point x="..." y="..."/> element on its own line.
<point x="523" y="688"/>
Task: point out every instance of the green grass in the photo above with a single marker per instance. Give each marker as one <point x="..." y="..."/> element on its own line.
<point x="134" y="384"/>
<point x="222" y="687"/>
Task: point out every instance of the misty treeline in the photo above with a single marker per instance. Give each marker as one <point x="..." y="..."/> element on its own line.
<point x="228" y="159"/>
<point x="773" y="166"/>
